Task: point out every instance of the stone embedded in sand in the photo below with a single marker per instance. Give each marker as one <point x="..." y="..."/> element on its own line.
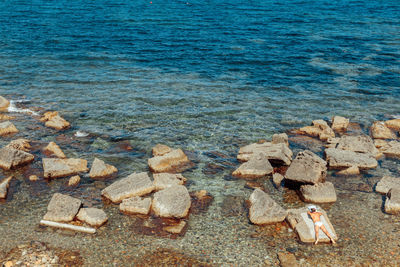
<point x="392" y="149"/>
<point x="392" y="204"/>
<point x="175" y="229"/>
<point x="136" y="205"/>
<point x="10" y="158"/>
<point x="319" y="193"/>
<point x="276" y="153"/>
<point x="100" y="169"/>
<point x="277" y="178"/>
<point x="4" y="104"/>
<point x="287" y="260"/>
<point x="280" y="138"/>
<point x="393" y="124"/>
<point x="53" y="149"/>
<point x="20" y="144"/>
<point x="301" y="222"/>
<point x="258" y="166"/>
<point x="353" y="170"/>
<point x="173" y="202"/>
<point x="387" y="182"/>
<point x="307" y="167"/>
<point x="62" y="208"/>
<point x="264" y="210"/>
<point x="164" y="180"/>
<point x="340" y="123"/>
<point x="168" y="162"/>
<point x="136" y="184"/>
<point x="7" y="127"/>
<point x="4" y="187"/>
<point x="358" y="143"/>
<point x="380" y="131"/>
<point x="92" y="216"/>
<point x="338" y="158"/>
<point x="74" y="180"/>
<point x="53" y="120"/>
<point x="55" y="167"/>
<point x="160" y="150"/>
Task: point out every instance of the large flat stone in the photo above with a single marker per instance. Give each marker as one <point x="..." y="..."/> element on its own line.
<point x="278" y="153"/>
<point x="164" y="180"/>
<point x="136" y="184"/>
<point x="55" y="167"/>
<point x="392" y="204"/>
<point x="392" y="149"/>
<point x="160" y="150"/>
<point x="169" y="162"/>
<point x="307" y="167"/>
<point x="92" y="216"/>
<point x="386" y="183"/>
<point x="319" y="193"/>
<point x="173" y="202"/>
<point x="62" y="208"/>
<point x="7" y="127"/>
<point x="358" y="143"/>
<point x="10" y="157"/>
<point x="264" y="210"/>
<point x="258" y="166"/>
<point x="380" y="131"/>
<point x="136" y="205"/>
<point x="338" y="158"/>
<point x="20" y="144"/>
<point x="100" y="169"/>
<point x="4" y="187"/>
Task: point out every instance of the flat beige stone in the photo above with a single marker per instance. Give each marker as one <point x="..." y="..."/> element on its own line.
<point x="161" y="150"/>
<point x="392" y="203"/>
<point x="340" y="123"/>
<point x="7" y="127"/>
<point x="4" y="104"/>
<point x="55" y="167"/>
<point x="280" y="138"/>
<point x="74" y="180"/>
<point x="20" y="144"/>
<point x="53" y="149"/>
<point x="353" y="170"/>
<point x="164" y="180"/>
<point x="358" y="143"/>
<point x="168" y="162"/>
<point x="307" y="167"/>
<point x="100" y="169"/>
<point x="264" y="210"/>
<point x="4" y="187"/>
<point x="11" y="158"/>
<point x="53" y="120"/>
<point x="92" y="216"/>
<point x="258" y="166"/>
<point x="319" y="193"/>
<point x="172" y="202"/>
<point x="386" y="183"/>
<point x="136" y="205"/>
<point x="393" y="124"/>
<point x="392" y="149"/>
<point x="175" y="229"/>
<point x="62" y="208"/>
<point x="380" y="131"/>
<point x="278" y="153"/>
<point x="338" y="158"/>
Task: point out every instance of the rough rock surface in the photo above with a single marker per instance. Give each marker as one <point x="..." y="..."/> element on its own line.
<point x="7" y="127"/>
<point x="136" y="205"/>
<point x="393" y="124"/>
<point x="386" y="183"/>
<point x="392" y="149"/>
<point x="173" y="201"/>
<point x="33" y="178"/>
<point x="392" y="204"/>
<point x="287" y="260"/>
<point x="340" y="123"/>
<point x="4" y="187"/>
<point x="325" y="131"/>
<point x="74" y="180"/>
<point x="62" y="208"/>
<point x="168" y="162"/>
<point x="264" y="210"/>
<point x="160" y="150"/>
<point x="277" y="178"/>
<point x="55" y="167"/>
<point x="10" y="158"/>
<point x="164" y="180"/>
<point x="338" y="158"/>
<point x="380" y="131"/>
<point x="175" y="229"/>
<point x="358" y="143"/>
<point x="136" y="184"/>
<point x="353" y="170"/>
<point x="53" y="149"/>
<point x="4" y="104"/>
<point x="301" y="222"/>
<point x="280" y="138"/>
<point x="20" y="144"/>
<point x="92" y="216"/>
<point x="258" y="166"/>
<point x="279" y="153"/>
<point x="100" y="169"/>
<point x="53" y="120"/>
<point x="319" y="193"/>
<point x="307" y="167"/>
<point x="4" y="117"/>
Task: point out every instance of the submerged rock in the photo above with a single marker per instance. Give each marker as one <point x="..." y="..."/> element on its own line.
<point x="258" y="166"/>
<point x="392" y="204"/>
<point x="53" y="120"/>
<point x="277" y="178"/>
<point x="53" y="149"/>
<point x="380" y="131"/>
<point x="136" y="184"/>
<point x="358" y="143"/>
<point x="4" y="104"/>
<point x="175" y="229"/>
<point x="307" y="167"/>
<point x="100" y="169"/>
<point x="4" y="187"/>
<point x="287" y="260"/>
<point x="279" y="153"/>
<point x="164" y="180"/>
<point x="393" y="124"/>
<point x="340" y="123"/>
<point x="10" y="158"/>
<point x="20" y="144"/>
<point x="353" y="170"/>
<point x="386" y="183"/>
<point x="74" y="180"/>
<point x="92" y="216"/>
<point x="169" y="162"/>
<point x="173" y="202"/>
<point x="338" y="158"/>
<point x="319" y="193"/>
<point x="264" y="210"/>
<point x="55" y="167"/>
<point x="7" y="127"/>
<point x="136" y="205"/>
<point x="161" y="150"/>
<point x="62" y="208"/>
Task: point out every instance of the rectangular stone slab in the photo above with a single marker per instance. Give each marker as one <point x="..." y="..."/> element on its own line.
<point x="310" y="225"/>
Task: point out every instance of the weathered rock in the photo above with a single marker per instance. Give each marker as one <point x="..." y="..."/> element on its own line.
<point x="353" y="170"/>
<point x="280" y="138"/>
<point x="392" y="204"/>
<point x="175" y="229"/>
<point x="380" y="131"/>
<point x="332" y="142"/>
<point x="55" y="167"/>
<point x="393" y="124"/>
<point x="392" y="149"/>
<point x="74" y="180"/>
<point x="53" y="120"/>
<point x="301" y="222"/>
<point x="160" y="150"/>
<point x="173" y="201"/>
<point x="338" y="158"/>
<point x="287" y="260"/>
<point x="358" y="143"/>
<point x="4" y="117"/>
<point x="319" y="193"/>
<point x="310" y="130"/>
<point x="33" y="178"/>
<point x="7" y="127"/>
<point x="53" y="149"/>
<point x="339" y="123"/>
<point x="277" y="178"/>
<point x="4" y="104"/>
<point x="92" y="216"/>
<point x="168" y="162"/>
<point x="164" y="180"/>
<point x="100" y="169"/>
<point x="62" y="208"/>
<point x="20" y="144"/>
<point x="386" y="183"/>
<point x="277" y="153"/>
<point x="307" y="167"/>
<point x="10" y="158"/>
<point x="325" y="131"/>
<point x="264" y="210"/>
<point x="4" y="187"/>
<point x="136" y="205"/>
<point x="136" y="184"/>
<point x="258" y="166"/>
<point x="379" y="143"/>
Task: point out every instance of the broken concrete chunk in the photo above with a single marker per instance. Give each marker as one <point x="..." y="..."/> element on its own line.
<point x="62" y="208"/>
<point x="392" y="204"/>
<point x="10" y="158"/>
<point x="100" y="169"/>
<point x="160" y="150"/>
<point x="340" y="123"/>
<point x="307" y="167"/>
<point x="92" y="216"/>
<point x="387" y="182"/>
<point x="319" y="193"/>
<point x="164" y="180"/>
<point x="338" y="158"/>
<point x="258" y="166"/>
<point x="7" y="127"/>
<point x="275" y="153"/>
<point x="55" y="167"/>
<point x="4" y="187"/>
<point x="136" y="205"/>
<point x="264" y="209"/>
<point x="53" y="149"/>
<point x="136" y="184"/>
<point x="169" y="162"/>
<point x="173" y="202"/>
